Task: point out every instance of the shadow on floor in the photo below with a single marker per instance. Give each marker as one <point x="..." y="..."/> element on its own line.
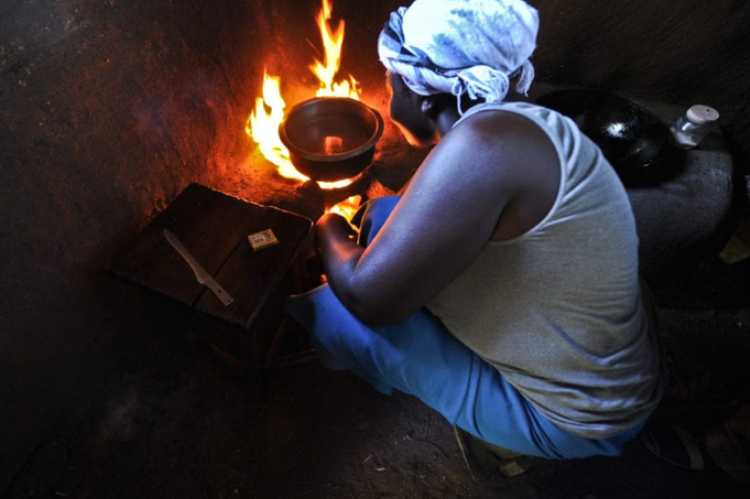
<point x="172" y="422"/>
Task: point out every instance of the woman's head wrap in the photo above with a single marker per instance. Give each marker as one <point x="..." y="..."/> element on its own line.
<point x="461" y="47"/>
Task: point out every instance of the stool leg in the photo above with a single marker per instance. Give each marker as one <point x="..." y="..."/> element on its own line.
<point x="252" y="346"/>
<point x="273" y="348"/>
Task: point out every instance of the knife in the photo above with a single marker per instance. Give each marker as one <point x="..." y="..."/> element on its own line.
<point x="201" y="275"/>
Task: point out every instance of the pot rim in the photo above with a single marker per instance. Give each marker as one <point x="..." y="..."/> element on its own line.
<point x="331" y="158"/>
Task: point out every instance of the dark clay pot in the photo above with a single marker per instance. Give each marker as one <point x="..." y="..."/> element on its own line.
<point x="331" y="138"/>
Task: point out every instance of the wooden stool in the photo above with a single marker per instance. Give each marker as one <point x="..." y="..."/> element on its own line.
<point x="214" y="228"/>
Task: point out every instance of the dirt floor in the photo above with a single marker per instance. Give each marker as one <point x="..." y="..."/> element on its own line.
<point x="170" y="421"/>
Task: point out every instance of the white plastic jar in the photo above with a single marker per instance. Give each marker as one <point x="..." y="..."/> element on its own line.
<point x="693" y="126"/>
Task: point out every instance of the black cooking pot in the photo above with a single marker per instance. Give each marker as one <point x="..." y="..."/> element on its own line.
<point x="630" y="136"/>
<point x="331" y="138"/>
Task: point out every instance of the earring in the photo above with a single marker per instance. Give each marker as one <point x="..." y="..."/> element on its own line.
<point x="428" y="106"/>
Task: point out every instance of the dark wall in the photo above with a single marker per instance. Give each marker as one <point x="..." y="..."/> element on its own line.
<point x="672" y="52"/>
<point x="109" y="108"/>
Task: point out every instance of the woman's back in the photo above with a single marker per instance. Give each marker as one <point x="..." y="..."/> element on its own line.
<point x="557" y="310"/>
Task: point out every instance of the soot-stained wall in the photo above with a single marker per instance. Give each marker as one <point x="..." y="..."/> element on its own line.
<point x="108" y="109"/>
<point x="672" y="52"/>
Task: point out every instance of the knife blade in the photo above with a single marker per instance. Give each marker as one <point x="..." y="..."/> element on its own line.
<point x="201" y="275"/>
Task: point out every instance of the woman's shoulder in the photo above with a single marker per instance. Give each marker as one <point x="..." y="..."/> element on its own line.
<point x="499" y="128"/>
<point x="521" y="107"/>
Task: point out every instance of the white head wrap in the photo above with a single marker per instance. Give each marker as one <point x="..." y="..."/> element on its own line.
<point x="461" y="47"/>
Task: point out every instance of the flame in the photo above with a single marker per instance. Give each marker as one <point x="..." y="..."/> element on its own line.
<point x="263" y="123"/>
<point x="263" y="127"/>
<point x="348" y="207"/>
<point x="326" y="71"/>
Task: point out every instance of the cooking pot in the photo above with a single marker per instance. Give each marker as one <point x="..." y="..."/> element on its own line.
<point x="630" y="136"/>
<point x="331" y="138"/>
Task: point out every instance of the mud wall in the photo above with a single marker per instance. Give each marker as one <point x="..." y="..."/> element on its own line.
<point x="108" y="109"/>
<point x="672" y="52"/>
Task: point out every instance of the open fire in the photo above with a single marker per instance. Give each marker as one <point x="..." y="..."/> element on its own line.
<point x="263" y="123"/>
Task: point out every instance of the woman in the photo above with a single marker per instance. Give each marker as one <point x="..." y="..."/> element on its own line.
<point x="502" y="287"/>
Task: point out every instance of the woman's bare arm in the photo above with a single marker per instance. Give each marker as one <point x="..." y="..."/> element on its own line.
<point x="447" y="214"/>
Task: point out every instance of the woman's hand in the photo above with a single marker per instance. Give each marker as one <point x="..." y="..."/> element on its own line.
<point x="340" y="254"/>
<point x="331" y="222"/>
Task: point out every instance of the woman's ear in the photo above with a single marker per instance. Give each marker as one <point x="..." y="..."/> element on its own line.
<point x="429" y="106"/>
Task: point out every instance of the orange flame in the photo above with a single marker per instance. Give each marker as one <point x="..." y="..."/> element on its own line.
<point x="326" y="71"/>
<point x="263" y="123"/>
<point x="263" y="127"/>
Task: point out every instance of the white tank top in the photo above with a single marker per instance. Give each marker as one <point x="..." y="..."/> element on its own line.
<point x="559" y="310"/>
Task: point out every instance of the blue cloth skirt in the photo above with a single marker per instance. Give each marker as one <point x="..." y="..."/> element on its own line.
<point x="421" y="358"/>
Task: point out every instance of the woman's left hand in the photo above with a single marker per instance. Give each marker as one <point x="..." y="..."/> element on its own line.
<point x="332" y="223"/>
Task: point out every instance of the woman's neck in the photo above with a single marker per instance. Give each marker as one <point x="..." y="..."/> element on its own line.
<point x="446" y="119"/>
<point x="514" y="96"/>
